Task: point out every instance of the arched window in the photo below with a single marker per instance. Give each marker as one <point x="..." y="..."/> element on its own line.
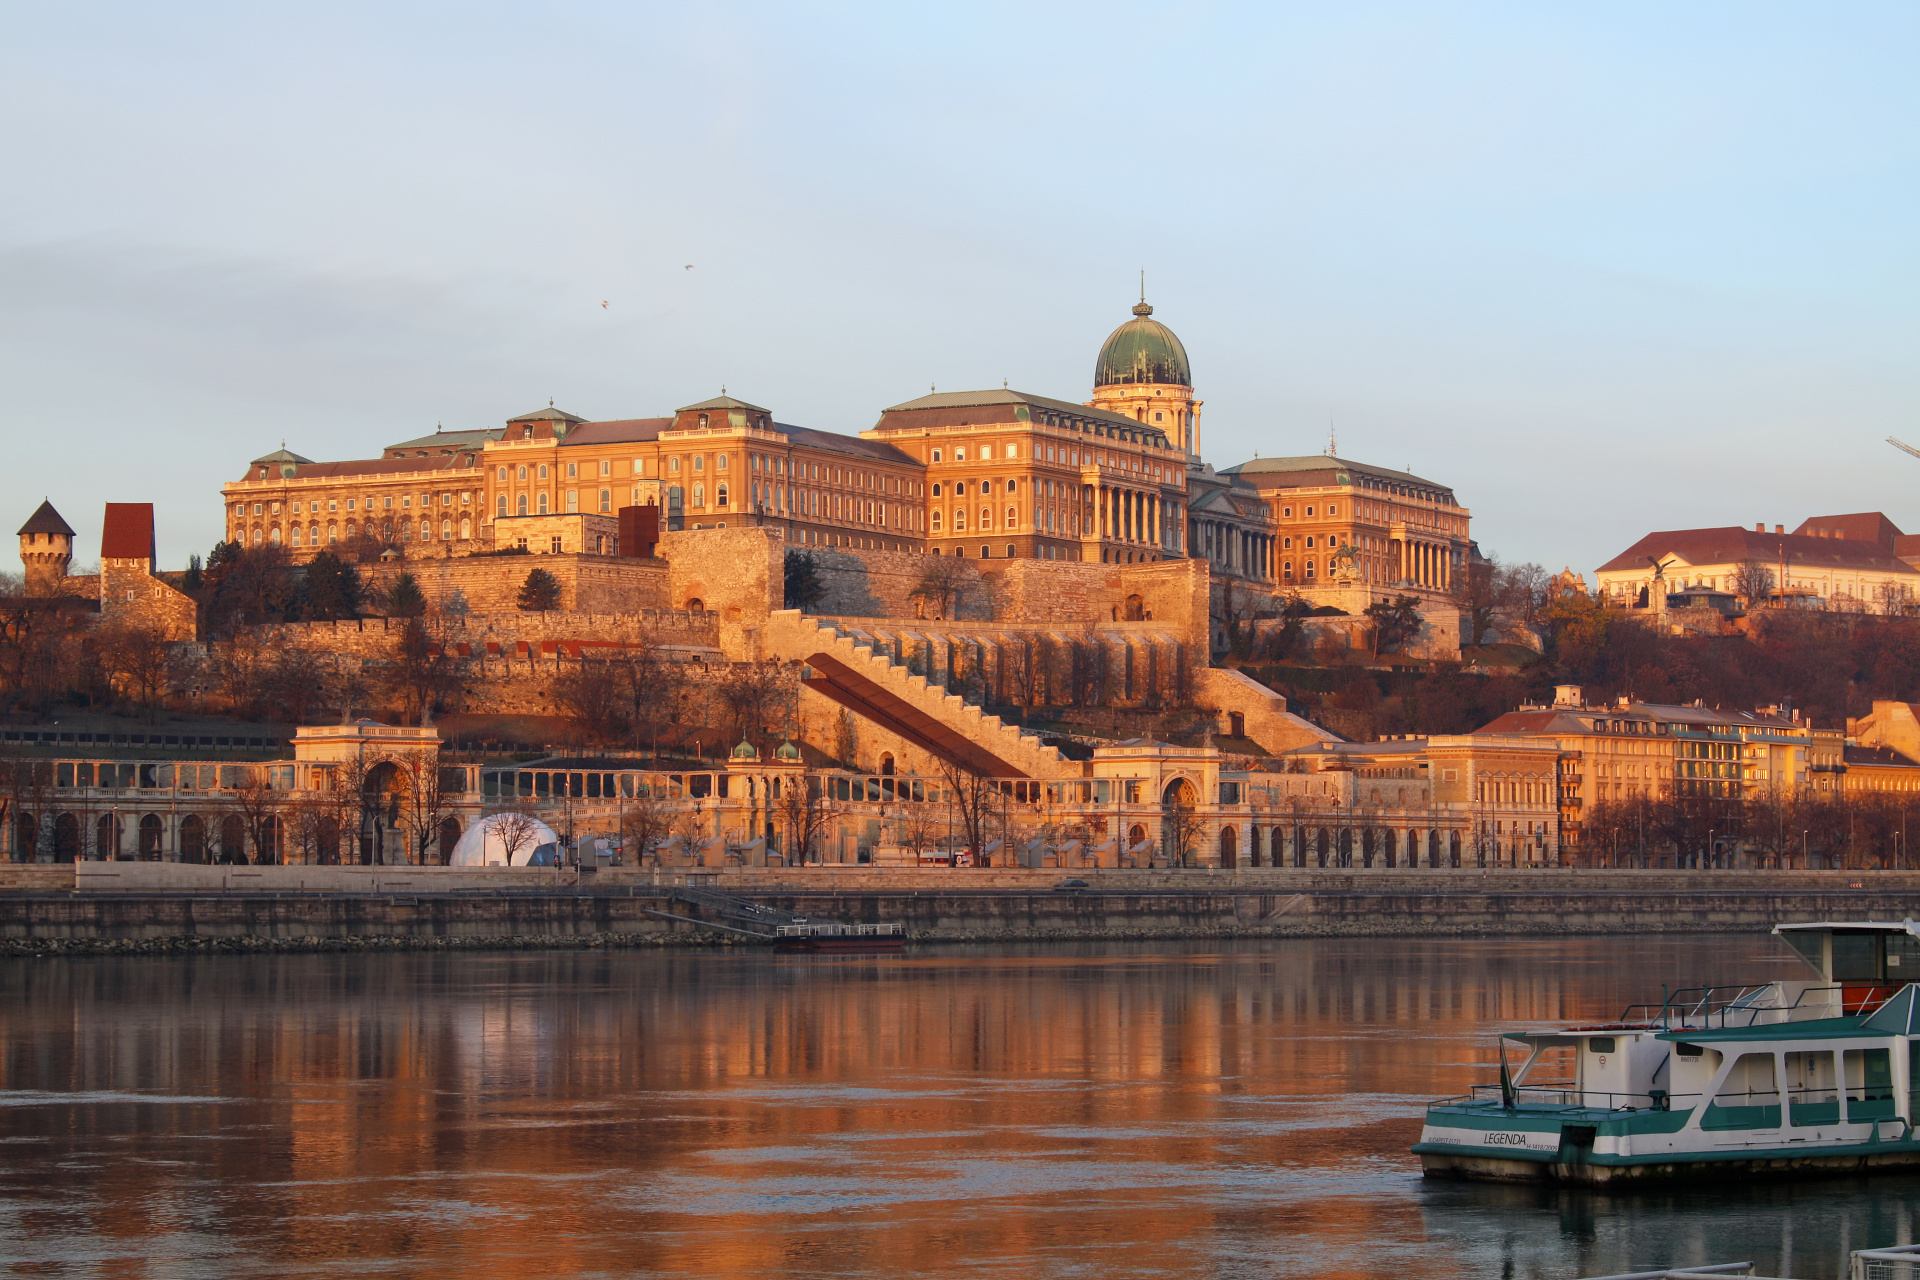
<point x="606" y="500"/>
<point x="523" y="505"/>
<point x="500" y="506"/>
<point x="542" y="503"/>
<point x="466" y="530"/>
<point x="150" y="833"/>
<point x="298" y="536"/>
<point x="543" y="471"/>
<point x="523" y="471"/>
<point x="446" y="530"/>
<point x="1013" y="518"/>
<point x="66" y="833"/>
<point x="193" y="839"/>
<point x="986" y="517"/>
<point x="720" y="490"/>
<point x="700" y="495"/>
<point x="936" y="522"/>
<point x="959" y="521"/>
<point x="273" y="535"/>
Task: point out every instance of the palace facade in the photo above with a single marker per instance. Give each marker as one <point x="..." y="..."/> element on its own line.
<point x="993" y="474"/>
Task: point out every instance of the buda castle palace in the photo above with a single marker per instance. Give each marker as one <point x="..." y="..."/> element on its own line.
<point x="983" y="474"/>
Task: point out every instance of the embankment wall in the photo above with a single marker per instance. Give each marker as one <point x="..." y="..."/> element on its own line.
<point x="417" y="907"/>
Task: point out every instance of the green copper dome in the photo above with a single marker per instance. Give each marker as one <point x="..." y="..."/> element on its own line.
<point x="1142" y="351"/>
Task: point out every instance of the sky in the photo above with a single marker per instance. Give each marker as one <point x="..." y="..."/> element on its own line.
<point x="1603" y="269"/>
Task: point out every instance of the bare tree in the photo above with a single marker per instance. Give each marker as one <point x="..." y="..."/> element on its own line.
<point x="426" y="803"/>
<point x="806" y="811"/>
<point x="944" y="585"/>
<point x="975" y="803"/>
<point x="645" y="821"/>
<point x="141" y="662"/>
<point x="422" y="672"/>
<point x="1753" y="583"/>
<point x="1522" y="590"/>
<point x="259" y="808"/>
<point x="1184" y="832"/>
<point x="756" y="696"/>
<point x="515" y="827"/>
<point x="597" y="699"/>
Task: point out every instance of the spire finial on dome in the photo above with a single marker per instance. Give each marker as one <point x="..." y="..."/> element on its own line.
<point x="1142" y="309"/>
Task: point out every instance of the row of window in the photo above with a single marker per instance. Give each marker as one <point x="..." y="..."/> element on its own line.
<point x="312" y="506"/>
<point x="310" y="535"/>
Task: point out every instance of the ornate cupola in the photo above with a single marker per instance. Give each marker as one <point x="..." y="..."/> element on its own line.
<point x="1143" y="374"/>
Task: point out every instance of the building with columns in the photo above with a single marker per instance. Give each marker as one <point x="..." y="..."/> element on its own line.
<point x="986" y="474"/>
<point x="1368" y="525"/>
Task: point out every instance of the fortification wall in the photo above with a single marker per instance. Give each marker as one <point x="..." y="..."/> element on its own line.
<point x="130" y="596"/>
<point x="491" y="584"/>
<point x="1053" y="593"/>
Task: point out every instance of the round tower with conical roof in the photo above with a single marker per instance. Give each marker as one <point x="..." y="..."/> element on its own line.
<point x="1143" y="374"/>
<point x="46" y="549"/>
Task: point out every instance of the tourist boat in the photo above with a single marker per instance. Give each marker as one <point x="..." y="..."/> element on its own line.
<point x="1795" y="1077"/>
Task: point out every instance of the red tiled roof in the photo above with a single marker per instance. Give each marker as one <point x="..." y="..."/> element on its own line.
<point x="1863" y="526"/>
<point x="127" y="531"/>
<point x="1739" y="545"/>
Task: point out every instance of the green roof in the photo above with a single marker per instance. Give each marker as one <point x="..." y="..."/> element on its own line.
<point x="1142" y="351"/>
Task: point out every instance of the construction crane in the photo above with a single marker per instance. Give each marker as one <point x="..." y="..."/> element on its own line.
<point x="1904" y="448"/>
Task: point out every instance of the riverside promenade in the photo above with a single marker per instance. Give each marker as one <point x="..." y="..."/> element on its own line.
<point x="134" y="906"/>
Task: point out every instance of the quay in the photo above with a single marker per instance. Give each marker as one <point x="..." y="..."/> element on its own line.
<point x="164" y="906"/>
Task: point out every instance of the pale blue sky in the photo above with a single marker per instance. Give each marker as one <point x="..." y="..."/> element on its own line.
<point x="1602" y="268"/>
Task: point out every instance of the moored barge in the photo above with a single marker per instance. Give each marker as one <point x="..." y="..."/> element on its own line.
<point x="1795" y="1077"/>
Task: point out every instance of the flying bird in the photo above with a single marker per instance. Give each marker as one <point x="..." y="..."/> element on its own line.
<point x="603" y="306"/>
<point x="689" y="266"/>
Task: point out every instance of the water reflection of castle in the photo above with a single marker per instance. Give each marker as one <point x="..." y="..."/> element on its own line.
<point x="649" y="1086"/>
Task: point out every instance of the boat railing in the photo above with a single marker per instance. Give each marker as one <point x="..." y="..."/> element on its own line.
<point x="1569" y="1098"/>
<point x="1718" y="1008"/>
<point x="835" y="929"/>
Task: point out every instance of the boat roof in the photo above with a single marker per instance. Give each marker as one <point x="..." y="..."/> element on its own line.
<point x="1851" y="926"/>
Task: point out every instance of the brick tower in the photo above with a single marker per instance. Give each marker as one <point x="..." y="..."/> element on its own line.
<point x="46" y="549"/>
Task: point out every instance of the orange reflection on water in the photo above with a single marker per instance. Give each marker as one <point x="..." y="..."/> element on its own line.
<point x="1111" y="1110"/>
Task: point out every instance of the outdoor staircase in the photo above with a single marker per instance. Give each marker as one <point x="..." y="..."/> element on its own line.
<point x="880" y="676"/>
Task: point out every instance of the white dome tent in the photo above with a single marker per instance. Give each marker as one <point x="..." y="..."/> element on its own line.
<point x="482" y="845"/>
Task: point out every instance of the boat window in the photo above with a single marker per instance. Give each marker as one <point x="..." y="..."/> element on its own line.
<point x="1601" y="1044"/>
<point x="1748" y="1096"/>
<point x="1856" y="957"/>
<point x="1903" y="956"/>
<point x="1807" y="943"/>
<point x="1686" y="1050"/>
<point x="1869" y="1083"/>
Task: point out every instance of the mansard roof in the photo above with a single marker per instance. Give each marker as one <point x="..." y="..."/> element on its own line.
<point x="1322" y="468"/>
<point x="46" y="520"/>
<point x="722" y="403"/>
<point x="548" y="414"/>
<point x="1862" y="526"/>
<point x="617" y="431"/>
<point x="1740" y="545"/>
<point x="451" y="439"/>
<point x="1001" y="405"/>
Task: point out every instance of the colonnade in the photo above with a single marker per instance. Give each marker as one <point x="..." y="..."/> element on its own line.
<point x="1122" y="514"/>
<point x="1426" y="564"/>
<point x="1230" y="547"/>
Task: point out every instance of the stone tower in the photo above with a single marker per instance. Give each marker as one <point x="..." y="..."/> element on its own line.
<point x="46" y="549"/>
<point x="1143" y="374"/>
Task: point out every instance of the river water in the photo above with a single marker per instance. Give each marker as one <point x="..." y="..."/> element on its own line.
<point x="1101" y="1110"/>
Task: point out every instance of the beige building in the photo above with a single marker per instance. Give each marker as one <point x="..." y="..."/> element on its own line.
<point x="1611" y="754"/>
<point x="1821" y="565"/>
